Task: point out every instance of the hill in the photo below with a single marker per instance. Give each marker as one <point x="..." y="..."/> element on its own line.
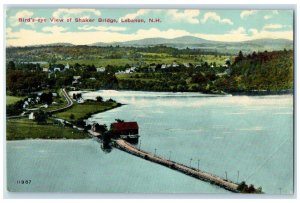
<point x="199" y="43"/>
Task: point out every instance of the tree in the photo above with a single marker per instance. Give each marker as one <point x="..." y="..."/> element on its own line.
<point x="72" y="116"/>
<point x="99" y="99"/>
<point x="11" y="65"/>
<point x="47" y="98"/>
<point x="239" y="57"/>
<point x="40" y="117"/>
<point x="243" y="187"/>
<point x="251" y="189"/>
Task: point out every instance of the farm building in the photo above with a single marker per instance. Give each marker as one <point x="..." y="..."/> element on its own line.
<point x="126" y="130"/>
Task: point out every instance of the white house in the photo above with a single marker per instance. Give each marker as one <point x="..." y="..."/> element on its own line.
<point x="152" y="68"/>
<point x="186" y="65"/>
<point x="31" y="116"/>
<point x="175" y="64"/>
<point x="76" y="77"/>
<point x="80" y="100"/>
<point x="44" y="106"/>
<point x="67" y="66"/>
<point x="37" y="99"/>
<point x="56" y="69"/>
<point x="25" y="105"/>
<point x="102" y="69"/>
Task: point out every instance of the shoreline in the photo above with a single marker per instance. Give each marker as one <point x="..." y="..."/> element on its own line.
<point x="233" y="93"/>
<point x="68" y="129"/>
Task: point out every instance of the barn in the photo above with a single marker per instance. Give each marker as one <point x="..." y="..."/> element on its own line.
<point x="125" y="128"/>
<point x="128" y="131"/>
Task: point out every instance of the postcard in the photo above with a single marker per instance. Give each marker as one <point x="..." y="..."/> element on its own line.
<point x="156" y="101"/>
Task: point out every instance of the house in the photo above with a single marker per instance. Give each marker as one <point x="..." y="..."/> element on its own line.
<point x="44" y="106"/>
<point x="56" y="69"/>
<point x="128" y="131"/>
<point x="102" y="69"/>
<point x="130" y="70"/>
<point x="45" y="69"/>
<point x="77" y="77"/>
<point x="25" y="105"/>
<point x="80" y="100"/>
<point x="186" y="65"/>
<point x="67" y="66"/>
<point x="37" y="99"/>
<point x="76" y="80"/>
<point x="125" y="128"/>
<point x="92" y="78"/>
<point x="163" y="66"/>
<point x="152" y="68"/>
<point x="175" y="64"/>
<point x="31" y="116"/>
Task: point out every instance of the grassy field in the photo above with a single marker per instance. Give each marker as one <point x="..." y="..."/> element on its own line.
<point x="132" y="76"/>
<point x="18" y="129"/>
<point x="149" y="58"/>
<point x="81" y="111"/>
<point x="12" y="99"/>
<point x="99" y="62"/>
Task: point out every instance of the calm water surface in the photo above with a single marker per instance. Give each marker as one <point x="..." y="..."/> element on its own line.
<point x="250" y="138"/>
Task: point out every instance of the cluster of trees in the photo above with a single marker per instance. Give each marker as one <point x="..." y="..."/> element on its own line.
<point x="269" y="71"/>
<point x="244" y="188"/>
<point x="15" y="109"/>
<point x="262" y="71"/>
<point x="22" y="82"/>
<point x="41" y="117"/>
<point x="46" y="97"/>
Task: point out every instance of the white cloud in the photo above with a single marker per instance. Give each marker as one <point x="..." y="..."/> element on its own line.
<point x="154" y="32"/>
<point x="215" y="17"/>
<point x="25" y="37"/>
<point x="102" y="28"/>
<point x="239" y="30"/>
<point x="267" y="17"/>
<point x="189" y="16"/>
<point x="65" y="13"/>
<point x="136" y="14"/>
<point x="272" y="26"/>
<point x="253" y="31"/>
<point x="14" y="20"/>
<point x="247" y="13"/>
<point x="236" y="37"/>
<point x="274" y="12"/>
<point x="54" y="29"/>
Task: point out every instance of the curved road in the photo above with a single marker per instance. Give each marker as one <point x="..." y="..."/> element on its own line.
<point x="67" y="97"/>
<point x="69" y="100"/>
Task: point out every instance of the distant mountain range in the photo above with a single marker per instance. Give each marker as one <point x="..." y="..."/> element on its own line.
<point x="199" y="43"/>
<point x="195" y="42"/>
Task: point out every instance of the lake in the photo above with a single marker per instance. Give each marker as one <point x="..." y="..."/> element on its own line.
<point x="248" y="137"/>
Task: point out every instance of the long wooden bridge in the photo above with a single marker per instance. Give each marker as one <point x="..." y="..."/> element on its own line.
<point x="213" y="179"/>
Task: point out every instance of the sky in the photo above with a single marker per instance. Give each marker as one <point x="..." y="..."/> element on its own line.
<point x="217" y="25"/>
